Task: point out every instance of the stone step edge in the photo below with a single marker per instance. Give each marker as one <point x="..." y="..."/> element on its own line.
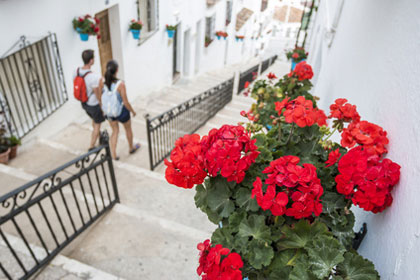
<point x="70" y="265"/>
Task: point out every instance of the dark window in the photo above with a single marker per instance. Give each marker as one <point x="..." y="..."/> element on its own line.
<point x="264" y="4"/>
<point x="210" y="22"/>
<point x="229" y="4"/>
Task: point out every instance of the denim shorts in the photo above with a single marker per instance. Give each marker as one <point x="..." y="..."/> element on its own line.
<point x="123" y="117"/>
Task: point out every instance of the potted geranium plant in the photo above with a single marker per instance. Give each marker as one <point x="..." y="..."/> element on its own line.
<point x="86" y="26"/>
<point x="239" y="37"/>
<point x="135" y="28"/>
<point x="170" y="29"/>
<point x="282" y="198"/>
<point x="14" y="142"/>
<point x="4" y="144"/>
<point x="297" y="55"/>
<point x="221" y="34"/>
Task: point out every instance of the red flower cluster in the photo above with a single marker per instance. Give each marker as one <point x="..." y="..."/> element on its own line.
<point x="229" y="150"/>
<point x="249" y="115"/>
<point x="371" y="136"/>
<point x="302" y="71"/>
<point x="367" y="180"/>
<point x="344" y="111"/>
<point x="212" y="267"/>
<point x="301" y="112"/>
<point x="333" y="158"/>
<point x="295" y="55"/>
<point x="187" y="166"/>
<point x="271" y="76"/>
<point x="297" y="184"/>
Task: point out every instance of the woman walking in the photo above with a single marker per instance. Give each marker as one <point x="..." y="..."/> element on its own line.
<point x="117" y="108"/>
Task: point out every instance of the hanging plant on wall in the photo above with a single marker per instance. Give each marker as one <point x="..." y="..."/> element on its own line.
<point x="170" y="29"/>
<point x="221" y="34"/>
<point x="135" y="28"/>
<point x="239" y="38"/>
<point x="86" y="26"/>
<point x="282" y="197"/>
<point x="297" y="55"/>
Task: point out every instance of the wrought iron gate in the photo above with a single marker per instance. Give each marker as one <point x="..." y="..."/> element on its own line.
<point x="43" y="216"/>
<point x="32" y="84"/>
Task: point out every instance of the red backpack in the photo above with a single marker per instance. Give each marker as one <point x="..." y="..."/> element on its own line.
<point x="79" y="87"/>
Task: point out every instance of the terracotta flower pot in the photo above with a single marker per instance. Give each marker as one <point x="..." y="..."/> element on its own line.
<point x="4" y="157"/>
<point x="13" y="152"/>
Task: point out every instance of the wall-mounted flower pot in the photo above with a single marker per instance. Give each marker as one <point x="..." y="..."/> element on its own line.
<point x="135" y="33"/>
<point x="294" y="63"/>
<point x="224" y="38"/>
<point x="171" y="33"/>
<point x="218" y="37"/>
<point x="84" y="36"/>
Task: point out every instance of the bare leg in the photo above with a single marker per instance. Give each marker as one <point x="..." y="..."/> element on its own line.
<point x="129" y="134"/>
<point x="95" y="134"/>
<point x="114" y="138"/>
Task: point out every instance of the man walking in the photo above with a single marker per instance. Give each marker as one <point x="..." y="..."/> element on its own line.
<point x="87" y="89"/>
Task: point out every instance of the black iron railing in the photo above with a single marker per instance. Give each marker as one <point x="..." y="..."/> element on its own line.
<point x="31" y="84"/>
<point x="247" y="77"/>
<point x="251" y="74"/>
<point x="45" y="215"/>
<point x="186" y="118"/>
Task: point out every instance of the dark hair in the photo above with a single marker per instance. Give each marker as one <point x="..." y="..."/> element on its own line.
<point x="111" y="70"/>
<point x="87" y="55"/>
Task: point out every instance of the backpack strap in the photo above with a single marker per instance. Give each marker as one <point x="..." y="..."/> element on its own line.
<point x="77" y="74"/>
<point x="116" y="85"/>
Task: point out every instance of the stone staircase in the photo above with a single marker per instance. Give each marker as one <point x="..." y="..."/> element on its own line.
<point x="153" y="232"/>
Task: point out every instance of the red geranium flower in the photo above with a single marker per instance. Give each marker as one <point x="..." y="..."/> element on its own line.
<point x="289" y="184"/>
<point x="230" y="151"/>
<point x="295" y="55"/>
<point x="187" y="166"/>
<point x="302" y="71"/>
<point x="271" y="76"/>
<point x="301" y="112"/>
<point x="246" y="85"/>
<point x="213" y="267"/>
<point x="366" y="180"/>
<point x="344" y="111"/>
<point x="370" y="136"/>
<point x="333" y="158"/>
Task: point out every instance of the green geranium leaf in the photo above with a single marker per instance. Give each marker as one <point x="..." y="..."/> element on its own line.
<point x="244" y="200"/>
<point x="255" y="227"/>
<point x="235" y="219"/>
<point x="260" y="253"/>
<point x="301" y="233"/>
<point x="264" y="156"/>
<point x="200" y="197"/>
<point x="223" y="236"/>
<point x="301" y="269"/>
<point x="218" y="198"/>
<point x="355" y="267"/>
<point x="324" y="254"/>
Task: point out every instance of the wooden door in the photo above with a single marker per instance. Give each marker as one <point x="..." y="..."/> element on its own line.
<point x="104" y="42"/>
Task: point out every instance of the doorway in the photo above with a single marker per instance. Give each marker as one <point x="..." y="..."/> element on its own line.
<point x="187" y="44"/>
<point x="104" y="42"/>
<point x="175" y="72"/>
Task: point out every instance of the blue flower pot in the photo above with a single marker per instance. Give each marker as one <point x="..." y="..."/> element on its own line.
<point x="84" y="36"/>
<point x="135" y="33"/>
<point x="237" y="39"/>
<point x="269" y="127"/>
<point x="294" y="63"/>
<point x="171" y="33"/>
<point x="218" y="37"/>
<point x="224" y="38"/>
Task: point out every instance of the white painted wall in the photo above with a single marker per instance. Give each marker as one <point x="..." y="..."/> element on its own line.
<point x="373" y="61"/>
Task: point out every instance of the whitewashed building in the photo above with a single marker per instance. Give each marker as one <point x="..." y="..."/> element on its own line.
<point x="155" y="60"/>
<point x="368" y="53"/>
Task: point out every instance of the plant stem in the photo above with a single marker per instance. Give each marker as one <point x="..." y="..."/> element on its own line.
<point x="291" y="133"/>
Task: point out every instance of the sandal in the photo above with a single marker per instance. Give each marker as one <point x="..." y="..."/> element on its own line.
<point x="136" y="147"/>
<point x="117" y="158"/>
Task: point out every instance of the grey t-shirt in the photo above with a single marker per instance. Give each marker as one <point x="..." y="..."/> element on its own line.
<point x="91" y="81"/>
